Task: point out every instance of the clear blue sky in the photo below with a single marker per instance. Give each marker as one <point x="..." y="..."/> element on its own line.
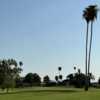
<point x="45" y="34"/>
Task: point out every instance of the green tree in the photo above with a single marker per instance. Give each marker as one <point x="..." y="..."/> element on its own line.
<point x="74" y="68"/>
<point x="33" y="79"/>
<point x="9" y="70"/>
<point x="60" y="77"/>
<point x="46" y="80"/>
<point x="59" y="70"/>
<point x="56" y="78"/>
<point x="77" y="79"/>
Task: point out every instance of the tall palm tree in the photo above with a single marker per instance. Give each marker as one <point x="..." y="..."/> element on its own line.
<point x="85" y="16"/>
<point x="92" y="15"/>
<point x="89" y="14"/>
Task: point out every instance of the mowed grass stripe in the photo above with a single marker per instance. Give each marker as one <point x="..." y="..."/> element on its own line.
<point x="52" y="94"/>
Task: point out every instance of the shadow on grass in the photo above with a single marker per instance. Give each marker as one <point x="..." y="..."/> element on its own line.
<point x="40" y="91"/>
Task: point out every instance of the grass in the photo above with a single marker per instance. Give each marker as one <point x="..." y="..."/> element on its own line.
<point x="54" y="93"/>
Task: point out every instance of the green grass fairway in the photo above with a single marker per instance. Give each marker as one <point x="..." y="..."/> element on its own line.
<point x="51" y="94"/>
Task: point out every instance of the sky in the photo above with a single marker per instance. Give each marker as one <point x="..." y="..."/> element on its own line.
<point x="45" y="34"/>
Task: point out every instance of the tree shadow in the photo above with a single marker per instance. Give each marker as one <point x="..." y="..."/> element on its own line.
<point x="41" y="91"/>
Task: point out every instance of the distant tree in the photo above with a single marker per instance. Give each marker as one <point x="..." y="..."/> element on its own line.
<point x="74" y="67"/>
<point x="46" y="80"/>
<point x="33" y="79"/>
<point x="21" y="63"/>
<point x="77" y="80"/>
<point x="70" y="78"/>
<point x="19" y="82"/>
<point x="56" y="78"/>
<point x="9" y="70"/>
<point x="60" y="77"/>
<point x="79" y="71"/>
<point x="59" y="69"/>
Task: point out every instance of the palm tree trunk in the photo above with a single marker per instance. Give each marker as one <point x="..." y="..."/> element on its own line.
<point x="89" y="58"/>
<point x="86" y="83"/>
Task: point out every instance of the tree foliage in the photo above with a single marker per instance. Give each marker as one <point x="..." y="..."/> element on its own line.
<point x="32" y="79"/>
<point x="46" y="79"/>
<point x="9" y="71"/>
<point x="56" y="78"/>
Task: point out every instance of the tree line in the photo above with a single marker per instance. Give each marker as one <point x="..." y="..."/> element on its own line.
<point x="10" y="77"/>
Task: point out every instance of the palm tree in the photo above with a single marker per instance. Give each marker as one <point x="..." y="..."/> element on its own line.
<point x="79" y="71"/>
<point x="93" y="15"/>
<point x="89" y="14"/>
<point x="59" y="69"/>
<point x="75" y="69"/>
<point x="85" y="16"/>
<point x="21" y="63"/>
<point x="60" y="77"/>
<point x="56" y="78"/>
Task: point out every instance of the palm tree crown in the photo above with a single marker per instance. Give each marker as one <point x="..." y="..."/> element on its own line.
<point x="90" y="13"/>
<point x="21" y="63"/>
<point x="85" y="15"/>
<point x="59" y="68"/>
